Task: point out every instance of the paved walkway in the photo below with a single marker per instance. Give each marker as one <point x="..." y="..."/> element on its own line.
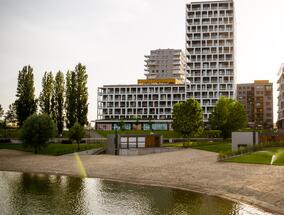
<point x="196" y="170"/>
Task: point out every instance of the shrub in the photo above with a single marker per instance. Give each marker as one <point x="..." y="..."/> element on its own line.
<point x="36" y="131"/>
<point x="66" y="141"/>
<point x="186" y="144"/>
<point x="212" y="133"/>
<point x="76" y="132"/>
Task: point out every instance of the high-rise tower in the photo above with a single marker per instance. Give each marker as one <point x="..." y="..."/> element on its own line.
<point x="210" y="52"/>
<point x="165" y="63"/>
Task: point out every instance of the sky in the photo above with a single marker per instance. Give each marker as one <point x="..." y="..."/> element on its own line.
<point x="111" y="38"/>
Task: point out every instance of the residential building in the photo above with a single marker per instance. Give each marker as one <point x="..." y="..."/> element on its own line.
<point x="210" y="52"/>
<point x="165" y="64"/>
<point x="147" y="104"/>
<point x="209" y="70"/>
<point x="280" y="89"/>
<point x="138" y="106"/>
<point x="257" y="99"/>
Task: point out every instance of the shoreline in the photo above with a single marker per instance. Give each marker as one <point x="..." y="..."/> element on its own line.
<point x="127" y="175"/>
<point x="227" y="197"/>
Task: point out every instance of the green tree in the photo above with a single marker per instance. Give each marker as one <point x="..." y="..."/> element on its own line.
<point x="26" y="102"/>
<point x="1" y="112"/>
<point x="36" y="131"/>
<point x="76" y="132"/>
<point x="58" y="99"/>
<point x="46" y="102"/>
<point x="188" y="118"/>
<point x="70" y="99"/>
<point x="11" y="115"/>
<point x="121" y="125"/>
<point x="228" y="115"/>
<point x="81" y="94"/>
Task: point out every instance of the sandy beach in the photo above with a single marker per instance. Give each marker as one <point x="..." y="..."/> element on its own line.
<point x="195" y="170"/>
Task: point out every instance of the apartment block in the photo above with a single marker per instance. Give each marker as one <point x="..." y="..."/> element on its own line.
<point x="280" y="104"/>
<point x="150" y="101"/>
<point x="210" y="52"/>
<point x="257" y="99"/>
<point x="165" y="64"/>
<point x="138" y="106"/>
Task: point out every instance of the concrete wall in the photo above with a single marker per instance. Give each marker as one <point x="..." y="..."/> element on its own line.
<point x="110" y="144"/>
<point x="145" y="151"/>
<point x="243" y="138"/>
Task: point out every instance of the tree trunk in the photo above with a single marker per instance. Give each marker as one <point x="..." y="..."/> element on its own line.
<point x="35" y="149"/>
<point x="78" y="147"/>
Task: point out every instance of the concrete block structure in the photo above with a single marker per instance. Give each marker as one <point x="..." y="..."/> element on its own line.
<point x="210" y="52"/>
<point x="257" y="99"/>
<point x="244" y="139"/>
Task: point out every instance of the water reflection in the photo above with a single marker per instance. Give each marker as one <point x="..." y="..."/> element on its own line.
<point x="22" y="193"/>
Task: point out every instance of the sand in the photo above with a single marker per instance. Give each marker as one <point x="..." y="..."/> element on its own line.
<point x="195" y="170"/>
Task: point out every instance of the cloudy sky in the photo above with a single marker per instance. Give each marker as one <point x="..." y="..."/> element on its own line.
<point x="111" y="38"/>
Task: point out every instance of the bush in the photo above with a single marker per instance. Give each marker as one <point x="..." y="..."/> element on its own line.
<point x="66" y="141"/>
<point x="186" y="144"/>
<point x="5" y="140"/>
<point x="36" y="131"/>
<point x="212" y="133"/>
<point x="76" y="132"/>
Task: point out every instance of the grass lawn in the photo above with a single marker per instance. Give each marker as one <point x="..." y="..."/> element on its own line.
<point x="207" y="146"/>
<point x="261" y="157"/>
<point x="53" y="149"/>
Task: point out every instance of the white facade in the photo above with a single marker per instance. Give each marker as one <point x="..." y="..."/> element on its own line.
<point x="210" y="52"/>
<point x="165" y="63"/>
<point x="143" y="102"/>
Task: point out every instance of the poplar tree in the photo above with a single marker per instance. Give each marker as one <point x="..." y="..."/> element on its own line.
<point x="70" y="99"/>
<point x="46" y="101"/>
<point x="76" y="103"/>
<point x="25" y="102"/>
<point x="1" y="111"/>
<point x="81" y="94"/>
<point x="11" y="115"/>
<point x="58" y="99"/>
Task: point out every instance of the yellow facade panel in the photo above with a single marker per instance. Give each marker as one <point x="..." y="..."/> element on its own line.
<point x="158" y="81"/>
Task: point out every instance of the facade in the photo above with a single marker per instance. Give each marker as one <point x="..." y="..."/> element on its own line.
<point x="257" y="99"/>
<point x="140" y="107"/>
<point x="165" y="64"/>
<point x="210" y="52"/>
<point x="280" y="89"/>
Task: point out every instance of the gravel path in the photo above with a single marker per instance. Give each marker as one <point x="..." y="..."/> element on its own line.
<point x="190" y="169"/>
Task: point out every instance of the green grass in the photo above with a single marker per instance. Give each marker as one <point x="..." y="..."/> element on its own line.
<point x="54" y="149"/>
<point x="215" y="147"/>
<point x="261" y="157"/>
<point x="166" y="134"/>
<point x="205" y="145"/>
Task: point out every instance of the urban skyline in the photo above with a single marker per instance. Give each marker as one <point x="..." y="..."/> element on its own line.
<point x="45" y="57"/>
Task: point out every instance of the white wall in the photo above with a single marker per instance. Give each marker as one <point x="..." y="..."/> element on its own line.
<point x="243" y="138"/>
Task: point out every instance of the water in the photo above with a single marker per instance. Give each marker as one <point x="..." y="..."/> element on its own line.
<point x="22" y="193"/>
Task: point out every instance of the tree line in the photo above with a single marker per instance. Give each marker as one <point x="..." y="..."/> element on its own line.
<point x="63" y="99"/>
<point x="228" y="115"/>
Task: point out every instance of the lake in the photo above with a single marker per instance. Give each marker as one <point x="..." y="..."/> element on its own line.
<point x="25" y="193"/>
